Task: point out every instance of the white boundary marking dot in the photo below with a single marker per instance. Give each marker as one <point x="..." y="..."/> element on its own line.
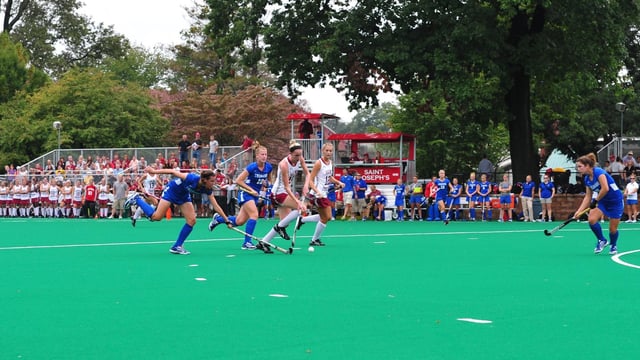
<point x="475" y="321"/>
<point x="279" y="295"/>
<point x="201" y="279"/>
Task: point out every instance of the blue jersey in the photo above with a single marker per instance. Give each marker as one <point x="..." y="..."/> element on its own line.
<point x="613" y="196"/>
<point x="443" y="188"/>
<point x="361" y="185"/>
<point x="399" y="190"/>
<point x="347" y="180"/>
<point x="546" y="189"/>
<point x="178" y="191"/>
<point x="485" y="188"/>
<point x="456" y="190"/>
<point x="528" y="188"/>
<point x="257" y="177"/>
<point x="472" y="187"/>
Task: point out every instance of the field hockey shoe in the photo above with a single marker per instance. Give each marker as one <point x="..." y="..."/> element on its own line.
<point x="179" y="250"/>
<point x="215" y="221"/>
<point x="316" y="243"/>
<point x="131" y="199"/>
<point x="282" y="232"/>
<point x="248" y="245"/>
<point x="613" y="250"/>
<point x="600" y="246"/>
<point x="264" y="247"/>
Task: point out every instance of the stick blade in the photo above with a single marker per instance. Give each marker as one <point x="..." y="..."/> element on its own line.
<point x="547" y="232"/>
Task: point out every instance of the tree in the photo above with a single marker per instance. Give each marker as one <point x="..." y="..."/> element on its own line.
<point x="147" y="68"/>
<point x="16" y="74"/>
<point x="95" y="110"/>
<point x="256" y="111"/>
<point x="57" y="37"/>
<point x="366" y="46"/>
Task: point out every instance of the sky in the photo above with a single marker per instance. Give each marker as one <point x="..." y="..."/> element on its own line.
<point x="158" y="22"/>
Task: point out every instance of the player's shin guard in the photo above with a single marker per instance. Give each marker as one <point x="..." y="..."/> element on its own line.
<point x="597" y="230"/>
<point x="614" y="238"/>
<point x="184" y="233"/>
<point x="289" y="218"/>
<point x="250" y="228"/>
<point x="148" y="209"/>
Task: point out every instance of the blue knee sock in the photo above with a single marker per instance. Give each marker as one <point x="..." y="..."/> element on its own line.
<point x="249" y="228"/>
<point x="473" y="213"/>
<point x="186" y="230"/>
<point x="232" y="219"/>
<point x="597" y="230"/>
<point x="614" y="238"/>
<point x="489" y="215"/>
<point x="146" y="208"/>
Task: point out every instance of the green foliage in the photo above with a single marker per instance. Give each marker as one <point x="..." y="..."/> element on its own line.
<point x="147" y="68"/>
<point x="15" y="73"/>
<point x="95" y="111"/>
<point x="58" y="37"/>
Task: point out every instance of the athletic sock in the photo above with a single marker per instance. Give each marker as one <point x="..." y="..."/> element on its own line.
<point x="614" y="238"/>
<point x="270" y="235"/>
<point x="319" y="229"/>
<point x="311" y="218"/>
<point x="473" y="213"/>
<point x="250" y="228"/>
<point x="146" y="208"/>
<point x="597" y="230"/>
<point x="288" y="219"/>
<point x="186" y="230"/>
<point x="232" y="220"/>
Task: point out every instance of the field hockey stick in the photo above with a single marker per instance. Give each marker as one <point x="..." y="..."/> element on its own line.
<point x="446" y="219"/>
<point x="566" y="222"/>
<point x="282" y="250"/>
<point x="482" y="207"/>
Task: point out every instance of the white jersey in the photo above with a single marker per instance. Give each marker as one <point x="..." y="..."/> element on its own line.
<point x="4" y="193"/>
<point x="322" y="178"/>
<point x="53" y="193"/>
<point x="24" y="192"/>
<point x="34" y="191"/>
<point x="77" y="193"/>
<point x="292" y="170"/>
<point x="67" y="192"/>
<point x="631" y="194"/>
<point x="44" y="190"/>
<point x="103" y="192"/>
<point x="149" y="183"/>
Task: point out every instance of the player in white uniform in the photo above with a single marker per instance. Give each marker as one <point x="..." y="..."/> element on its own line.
<point x="283" y="196"/>
<point x="54" y="191"/>
<point x="44" y="197"/>
<point x="631" y="193"/>
<point x="4" y="194"/>
<point x="103" y="197"/>
<point x="322" y="175"/>
<point x="66" y="197"/>
<point x="78" y="189"/>
<point x="34" y="195"/>
<point x="147" y="182"/>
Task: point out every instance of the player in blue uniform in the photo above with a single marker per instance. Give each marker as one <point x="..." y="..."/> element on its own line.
<point x="484" y="189"/>
<point x="250" y="182"/>
<point x="178" y="192"/>
<point x="454" y="198"/>
<point x="608" y="201"/>
<point x="444" y="188"/>
<point x="526" y="198"/>
<point x="472" y="195"/>
<point x="399" y="190"/>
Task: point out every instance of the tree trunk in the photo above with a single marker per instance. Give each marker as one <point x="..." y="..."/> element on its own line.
<point x="524" y="158"/>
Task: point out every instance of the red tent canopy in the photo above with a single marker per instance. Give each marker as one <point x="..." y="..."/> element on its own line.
<point x="310" y="116"/>
<point x="372" y="137"/>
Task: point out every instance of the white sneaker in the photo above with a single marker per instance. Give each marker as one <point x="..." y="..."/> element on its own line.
<point x="179" y="250"/>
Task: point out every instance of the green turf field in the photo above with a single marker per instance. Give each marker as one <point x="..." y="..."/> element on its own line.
<point x="100" y="289"/>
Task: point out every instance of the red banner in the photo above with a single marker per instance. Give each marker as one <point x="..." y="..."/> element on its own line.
<point x="376" y="175"/>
